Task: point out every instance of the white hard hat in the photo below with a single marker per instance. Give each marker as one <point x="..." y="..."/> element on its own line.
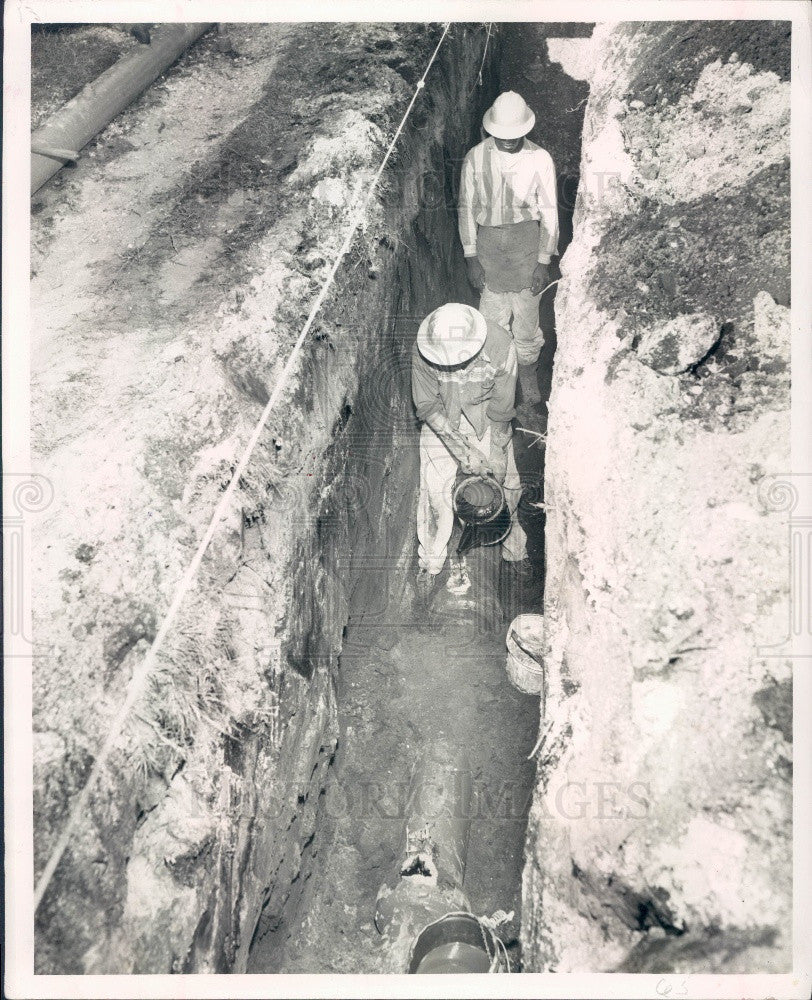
<point x="509" y="117"/>
<point x="452" y="334"/>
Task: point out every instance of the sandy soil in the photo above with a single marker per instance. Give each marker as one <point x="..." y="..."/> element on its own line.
<point x="665" y="565"/>
<point x="119" y="318"/>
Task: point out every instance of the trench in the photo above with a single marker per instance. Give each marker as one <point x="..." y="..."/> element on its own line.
<point x="411" y="676"/>
<point x="308" y="680"/>
<point x="256" y="802"/>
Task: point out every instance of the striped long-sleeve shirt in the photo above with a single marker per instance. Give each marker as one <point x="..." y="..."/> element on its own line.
<point x="502" y="188"/>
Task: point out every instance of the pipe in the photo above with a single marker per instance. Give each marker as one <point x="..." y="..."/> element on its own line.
<point x="455" y="943"/>
<point x="96" y="105"/>
<point x="439" y="816"/>
<point x="54" y="152"/>
<point x="425" y="918"/>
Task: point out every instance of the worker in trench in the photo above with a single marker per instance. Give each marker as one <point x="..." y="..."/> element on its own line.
<point x="508" y="224"/>
<point x="464" y="371"/>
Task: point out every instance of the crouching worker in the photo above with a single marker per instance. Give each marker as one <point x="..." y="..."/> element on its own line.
<point x="464" y="387"/>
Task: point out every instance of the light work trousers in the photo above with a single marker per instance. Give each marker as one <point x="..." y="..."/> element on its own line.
<point x="523" y="309"/>
<point x="435" y="514"/>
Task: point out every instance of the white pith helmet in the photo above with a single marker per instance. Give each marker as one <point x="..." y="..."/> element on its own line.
<point x="509" y="117"/>
<point x="452" y="334"/>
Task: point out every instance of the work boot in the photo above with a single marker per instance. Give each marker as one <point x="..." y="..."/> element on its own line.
<point x="529" y="381"/>
<point x="459" y="581"/>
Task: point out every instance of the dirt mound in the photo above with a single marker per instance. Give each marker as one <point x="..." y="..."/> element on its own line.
<point x="660" y="832"/>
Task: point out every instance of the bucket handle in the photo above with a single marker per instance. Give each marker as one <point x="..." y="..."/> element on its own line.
<point x="533" y="656"/>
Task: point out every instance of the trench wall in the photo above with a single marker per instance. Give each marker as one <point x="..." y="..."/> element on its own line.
<point x="209" y="810"/>
<point x="660" y="832"/>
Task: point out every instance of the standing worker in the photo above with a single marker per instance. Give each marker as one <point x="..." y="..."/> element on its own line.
<point x="508" y="222"/>
<point x="464" y="387"/>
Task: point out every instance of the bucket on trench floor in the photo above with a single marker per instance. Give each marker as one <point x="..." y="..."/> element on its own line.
<point x="456" y="943"/>
<point x="525" y="645"/>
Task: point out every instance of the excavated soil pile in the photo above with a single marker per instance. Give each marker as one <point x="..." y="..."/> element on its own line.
<point x="660" y="834"/>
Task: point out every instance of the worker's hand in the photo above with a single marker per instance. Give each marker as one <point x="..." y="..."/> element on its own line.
<point x="540" y="279"/>
<point x="476" y="273"/>
<point x="476" y="464"/>
<point x="499" y="466"/>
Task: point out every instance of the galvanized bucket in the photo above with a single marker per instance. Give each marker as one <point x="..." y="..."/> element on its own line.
<point x="479" y="503"/>
<point x="525" y="657"/>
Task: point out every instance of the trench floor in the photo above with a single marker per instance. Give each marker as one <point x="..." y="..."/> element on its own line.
<point x="410" y="674"/>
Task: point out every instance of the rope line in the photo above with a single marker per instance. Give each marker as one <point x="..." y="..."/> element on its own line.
<point x="484" y="53"/>
<point x="141" y="673"/>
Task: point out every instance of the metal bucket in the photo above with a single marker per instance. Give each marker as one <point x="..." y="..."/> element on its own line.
<point x="456" y="943"/>
<point x="479" y="503"/>
<point x="525" y="656"/>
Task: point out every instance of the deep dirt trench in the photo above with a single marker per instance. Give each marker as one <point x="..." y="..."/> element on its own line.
<point x="256" y="796"/>
<point x="404" y="683"/>
<point x="411" y="675"/>
<point x="269" y="773"/>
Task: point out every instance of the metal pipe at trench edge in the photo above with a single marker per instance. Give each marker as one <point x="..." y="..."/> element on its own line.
<point x="70" y="128"/>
